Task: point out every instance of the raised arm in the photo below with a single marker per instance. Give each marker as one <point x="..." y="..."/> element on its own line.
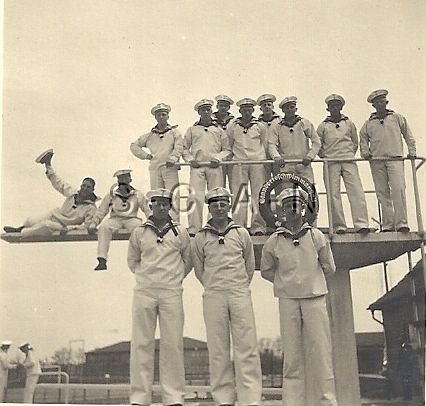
<point x="58" y="184"/>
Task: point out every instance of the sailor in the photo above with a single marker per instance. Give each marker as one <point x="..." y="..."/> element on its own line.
<point x="165" y="145"/>
<point x="32" y="371"/>
<point x="294" y="137"/>
<point x="123" y="203"/>
<point x="227" y="304"/>
<point x="76" y="212"/>
<point x="205" y="141"/>
<point x="296" y="259"/>
<point x="339" y="139"/>
<point x="380" y="136"/>
<point x="248" y="141"/>
<point x="268" y="118"/>
<point x="5" y="365"/>
<point x="223" y="117"/>
<point x="159" y="255"/>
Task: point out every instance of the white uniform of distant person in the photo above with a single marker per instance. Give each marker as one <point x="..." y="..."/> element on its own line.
<point x="339" y="140"/>
<point x="381" y="136"/>
<point x="205" y="141"/>
<point x="159" y="255"/>
<point x="5" y="365"/>
<point x="295" y="259"/>
<point x="32" y="371"/>
<point x="223" y="261"/>
<point x="165" y="145"/>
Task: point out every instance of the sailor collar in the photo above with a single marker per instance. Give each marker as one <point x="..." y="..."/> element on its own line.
<point x="170" y="225"/>
<point x="274" y="116"/>
<point x="131" y="191"/>
<point x="213" y="123"/>
<point x="169" y="127"/>
<point x="286" y="233"/>
<point x="91" y="200"/>
<point x="246" y="126"/>
<point x="223" y="123"/>
<point x="374" y="116"/>
<point x="288" y="124"/>
<point x="220" y="235"/>
<point x="328" y="119"/>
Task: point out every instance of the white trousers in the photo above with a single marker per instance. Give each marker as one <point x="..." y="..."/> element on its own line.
<point x="110" y="226"/>
<point x="30" y="386"/>
<point x="199" y="178"/>
<point x="308" y="377"/>
<point x="225" y="313"/>
<point x="349" y="172"/>
<point x="300" y="170"/>
<point x="241" y="176"/>
<point x="40" y="225"/>
<point x="167" y="306"/>
<point x="168" y="178"/>
<point x="389" y="182"/>
<point x="3" y="387"/>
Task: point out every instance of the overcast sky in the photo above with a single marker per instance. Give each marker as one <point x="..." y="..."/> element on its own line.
<point x="82" y="76"/>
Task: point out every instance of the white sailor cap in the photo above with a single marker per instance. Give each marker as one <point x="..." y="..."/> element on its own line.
<point x="160" y="107"/>
<point x="246" y="102"/>
<point x="292" y="193"/>
<point x="203" y="102"/>
<point x="122" y="172"/>
<point x="6" y="343"/>
<point x="287" y="100"/>
<point x="335" y="97"/>
<point x="266" y="97"/>
<point x="217" y="193"/>
<point x="224" y="98"/>
<point x="152" y="194"/>
<point x="375" y="94"/>
<point x="25" y="344"/>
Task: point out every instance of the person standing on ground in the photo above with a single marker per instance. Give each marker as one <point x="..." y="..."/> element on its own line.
<point x="296" y="259"/>
<point x="159" y="255"/>
<point x="339" y="139"/>
<point x="165" y="145"/>
<point x="32" y="371"/>
<point x="380" y="136"/>
<point x="223" y="260"/>
<point x="5" y="365"/>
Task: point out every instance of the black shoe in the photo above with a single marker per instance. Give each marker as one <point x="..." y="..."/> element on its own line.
<point x="403" y="229"/>
<point x="363" y="230"/>
<point x="341" y="231"/>
<point x="45" y="157"/>
<point x="386" y="231"/>
<point x="102" y="264"/>
<point x="9" y="229"/>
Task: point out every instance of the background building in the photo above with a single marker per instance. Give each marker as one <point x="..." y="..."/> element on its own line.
<point x="112" y="363"/>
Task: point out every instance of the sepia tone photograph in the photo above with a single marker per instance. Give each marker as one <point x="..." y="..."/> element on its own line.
<point x="213" y="203"/>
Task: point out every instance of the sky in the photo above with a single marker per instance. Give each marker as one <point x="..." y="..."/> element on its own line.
<point x="81" y="77"/>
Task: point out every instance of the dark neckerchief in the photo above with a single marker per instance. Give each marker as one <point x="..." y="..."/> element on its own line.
<point x="213" y="123"/>
<point x="169" y="127"/>
<point x="274" y="116"/>
<point x="294" y="237"/>
<point x="124" y="196"/>
<point x="170" y="225"/>
<point x="246" y="126"/>
<point x="290" y="124"/>
<point x="329" y="119"/>
<point x="374" y="116"/>
<point x="220" y="235"/>
<point x="223" y="123"/>
<point x="90" y="200"/>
